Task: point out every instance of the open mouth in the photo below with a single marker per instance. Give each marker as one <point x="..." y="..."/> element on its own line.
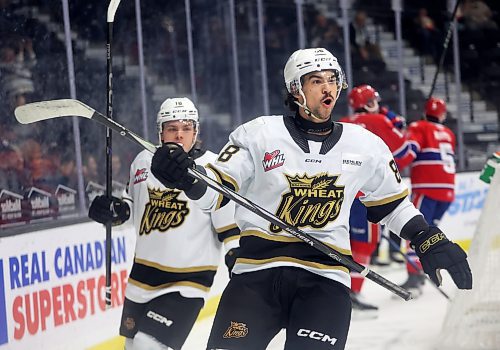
<point x="327" y="102"/>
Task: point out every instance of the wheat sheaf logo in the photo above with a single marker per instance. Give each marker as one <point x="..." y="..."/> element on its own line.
<point x="236" y="330"/>
<point x="311" y="202"/>
<point x="163" y="211"/>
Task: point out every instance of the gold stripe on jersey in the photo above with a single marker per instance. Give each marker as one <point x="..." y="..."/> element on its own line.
<point x="224" y="180"/>
<point x="387" y="200"/>
<point x="175" y="269"/>
<point x="167" y="285"/>
<point x="226" y="228"/>
<point x="232" y="238"/>
<point x="293" y="260"/>
<point x="286" y="239"/>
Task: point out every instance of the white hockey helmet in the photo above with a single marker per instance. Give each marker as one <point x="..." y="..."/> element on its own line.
<point x="305" y="61"/>
<point x="178" y="108"/>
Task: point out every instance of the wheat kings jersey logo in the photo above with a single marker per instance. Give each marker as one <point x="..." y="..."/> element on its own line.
<point x="311" y="202"/>
<point x="236" y="330"/>
<point x="163" y="211"/>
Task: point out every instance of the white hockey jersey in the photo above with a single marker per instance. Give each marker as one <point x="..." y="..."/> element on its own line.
<point x="308" y="184"/>
<point x="178" y="246"/>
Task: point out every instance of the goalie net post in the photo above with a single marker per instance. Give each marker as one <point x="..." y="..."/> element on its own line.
<point x="472" y="321"/>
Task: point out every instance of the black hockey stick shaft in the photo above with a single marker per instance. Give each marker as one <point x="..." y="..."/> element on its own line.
<point x="445" y="48"/>
<point x="112" y="7"/>
<point x="414" y="265"/>
<point x="38" y="111"/>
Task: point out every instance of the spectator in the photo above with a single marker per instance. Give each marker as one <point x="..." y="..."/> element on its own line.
<point x="12" y="176"/>
<point x="17" y="58"/>
<point x="326" y="33"/>
<point x="91" y="171"/>
<point x="427" y="33"/>
<point x="42" y="164"/>
<point x="118" y="172"/>
<point x="31" y="151"/>
<point x="476" y="15"/>
<point x="364" y="51"/>
<point x="67" y="171"/>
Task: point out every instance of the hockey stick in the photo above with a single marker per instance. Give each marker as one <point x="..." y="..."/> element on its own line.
<point x="112" y="7"/>
<point x="38" y="111"/>
<point x="414" y="265"/>
<point x="445" y="48"/>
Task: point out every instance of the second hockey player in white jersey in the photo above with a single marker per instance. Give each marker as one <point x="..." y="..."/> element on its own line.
<point x="307" y="170"/>
<point x="178" y="245"/>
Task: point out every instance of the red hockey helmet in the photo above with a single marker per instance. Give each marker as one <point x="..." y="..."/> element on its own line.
<point x="436" y="107"/>
<point x="361" y="95"/>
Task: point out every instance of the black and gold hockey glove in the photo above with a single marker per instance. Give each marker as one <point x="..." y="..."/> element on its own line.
<point x="170" y="165"/>
<point x="437" y="252"/>
<point x="105" y="210"/>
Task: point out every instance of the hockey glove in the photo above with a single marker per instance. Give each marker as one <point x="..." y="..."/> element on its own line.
<point x="170" y="165"/>
<point x="397" y="121"/>
<point x="105" y="210"/>
<point x="437" y="252"/>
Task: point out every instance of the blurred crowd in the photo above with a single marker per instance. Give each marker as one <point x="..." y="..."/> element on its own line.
<point x="42" y="155"/>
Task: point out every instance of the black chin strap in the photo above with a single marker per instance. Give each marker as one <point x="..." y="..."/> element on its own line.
<point x="311" y="127"/>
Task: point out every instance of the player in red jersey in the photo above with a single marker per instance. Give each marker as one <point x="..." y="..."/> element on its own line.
<point x="364" y="235"/>
<point x="432" y="174"/>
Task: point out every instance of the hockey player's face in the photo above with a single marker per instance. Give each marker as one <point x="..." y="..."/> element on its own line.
<point x="320" y="89"/>
<point x="179" y="131"/>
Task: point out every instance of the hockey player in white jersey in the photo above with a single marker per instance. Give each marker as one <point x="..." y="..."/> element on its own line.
<point x="307" y="170"/>
<point x="178" y="245"/>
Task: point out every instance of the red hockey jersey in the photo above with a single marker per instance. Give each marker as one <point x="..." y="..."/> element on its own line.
<point x="381" y="126"/>
<point x="433" y="169"/>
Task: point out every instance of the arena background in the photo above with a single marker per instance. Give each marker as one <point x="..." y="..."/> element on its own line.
<point x="228" y="56"/>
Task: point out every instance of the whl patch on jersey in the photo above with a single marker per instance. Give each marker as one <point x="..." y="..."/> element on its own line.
<point x="140" y="175"/>
<point x="273" y="160"/>
<point x="352" y="161"/>
<point x="313" y="201"/>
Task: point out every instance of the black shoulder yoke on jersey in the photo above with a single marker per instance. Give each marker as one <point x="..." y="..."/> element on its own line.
<point x="378" y="212"/>
<point x="300" y="137"/>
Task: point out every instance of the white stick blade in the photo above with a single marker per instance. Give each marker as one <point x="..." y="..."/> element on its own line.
<point x="37" y="111"/>
<point x="112" y="7"/>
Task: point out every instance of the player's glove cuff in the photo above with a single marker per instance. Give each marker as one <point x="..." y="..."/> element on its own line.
<point x="193" y="188"/>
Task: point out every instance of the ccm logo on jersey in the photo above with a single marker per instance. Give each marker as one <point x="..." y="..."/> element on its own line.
<point x="273" y="160"/>
<point x="159" y="318"/>
<point x="140" y="175"/>
<point x="325" y="338"/>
